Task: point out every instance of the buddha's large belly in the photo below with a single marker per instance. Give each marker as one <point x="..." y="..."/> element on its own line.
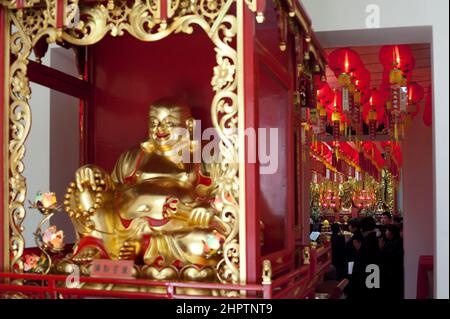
<point x="148" y="198"/>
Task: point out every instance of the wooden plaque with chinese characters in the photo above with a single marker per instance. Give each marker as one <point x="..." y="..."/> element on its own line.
<point x="106" y="268"/>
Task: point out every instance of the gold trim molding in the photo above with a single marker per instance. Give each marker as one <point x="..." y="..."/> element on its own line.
<point x="12" y="4"/>
<point x="143" y="20"/>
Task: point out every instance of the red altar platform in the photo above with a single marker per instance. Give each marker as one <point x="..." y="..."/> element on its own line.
<point x="298" y="284"/>
<point x="123" y="66"/>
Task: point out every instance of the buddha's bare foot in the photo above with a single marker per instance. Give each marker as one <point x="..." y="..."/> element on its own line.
<point x="87" y="254"/>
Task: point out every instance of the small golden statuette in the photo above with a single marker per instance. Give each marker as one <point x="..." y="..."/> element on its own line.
<point x="267" y="272"/>
<point x="306" y="256"/>
<point x="345" y="219"/>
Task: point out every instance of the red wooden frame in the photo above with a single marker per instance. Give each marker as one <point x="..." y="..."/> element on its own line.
<point x="425" y="266"/>
<point x="281" y="260"/>
<point x="57" y="80"/>
<point x="253" y="51"/>
<point x="253" y="250"/>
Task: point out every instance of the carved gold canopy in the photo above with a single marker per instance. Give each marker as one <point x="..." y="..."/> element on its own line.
<point x="146" y="20"/>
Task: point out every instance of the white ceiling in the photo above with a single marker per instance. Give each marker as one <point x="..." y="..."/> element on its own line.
<point x="380" y="36"/>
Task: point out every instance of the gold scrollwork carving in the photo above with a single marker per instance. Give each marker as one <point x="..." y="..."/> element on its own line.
<point x="140" y="20"/>
<point x="385" y="192"/>
<point x="12" y="4"/>
<point x="20" y="122"/>
<point x="51" y="12"/>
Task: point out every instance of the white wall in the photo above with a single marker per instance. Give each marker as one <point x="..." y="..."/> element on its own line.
<point x="64" y="138"/>
<point x="332" y="15"/>
<point x="418" y="200"/>
<point x="37" y="157"/>
<point x="52" y="146"/>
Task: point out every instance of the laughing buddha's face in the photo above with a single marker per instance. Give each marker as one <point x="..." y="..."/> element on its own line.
<point x="165" y="123"/>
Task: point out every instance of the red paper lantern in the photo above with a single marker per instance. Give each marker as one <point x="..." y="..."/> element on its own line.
<point x="344" y="60"/>
<point x="415" y="92"/>
<point x="399" y="56"/>
<point x="378" y="98"/>
<point x="337" y="100"/>
<point x="318" y="83"/>
<point x="361" y="77"/>
<point x="365" y="95"/>
<point x="325" y="94"/>
<point x="380" y="113"/>
<point x="415" y="95"/>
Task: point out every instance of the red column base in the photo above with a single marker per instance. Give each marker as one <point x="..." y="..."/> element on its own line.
<point x="425" y="265"/>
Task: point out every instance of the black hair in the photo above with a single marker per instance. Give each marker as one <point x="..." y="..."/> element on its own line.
<point x="387" y="214"/>
<point x="335" y="228"/>
<point x="368" y="223"/>
<point x="394" y="230"/>
<point x="355" y="223"/>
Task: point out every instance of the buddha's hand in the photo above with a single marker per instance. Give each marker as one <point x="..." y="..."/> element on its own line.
<point x="93" y="177"/>
<point x="87" y="254"/>
<point x="200" y="217"/>
<point x="174" y="208"/>
<point x="203" y="218"/>
<point x="129" y="250"/>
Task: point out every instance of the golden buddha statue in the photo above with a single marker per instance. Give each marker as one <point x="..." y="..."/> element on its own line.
<point x="315" y="196"/>
<point x="155" y="208"/>
<point x="345" y="195"/>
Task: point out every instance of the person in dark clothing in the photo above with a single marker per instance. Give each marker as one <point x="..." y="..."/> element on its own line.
<point x="338" y="251"/>
<point x="370" y="254"/>
<point x="397" y="220"/>
<point x="391" y="264"/>
<point x="386" y="218"/>
<point x="352" y="256"/>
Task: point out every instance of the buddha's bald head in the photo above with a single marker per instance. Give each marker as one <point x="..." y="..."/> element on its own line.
<point x="165" y="116"/>
<point x="167" y="108"/>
